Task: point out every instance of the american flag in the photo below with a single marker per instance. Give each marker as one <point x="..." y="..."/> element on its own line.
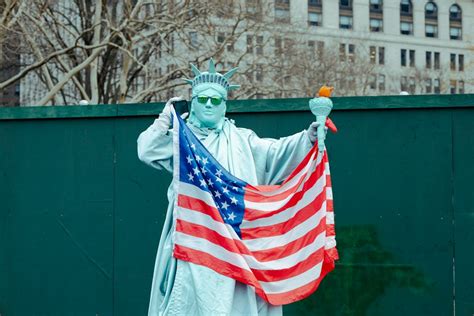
<point x="279" y="239"/>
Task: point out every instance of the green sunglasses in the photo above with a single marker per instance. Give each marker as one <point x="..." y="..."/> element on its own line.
<point x="214" y="100"/>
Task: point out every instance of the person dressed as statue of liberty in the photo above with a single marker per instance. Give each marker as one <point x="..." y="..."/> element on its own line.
<point x="183" y="288"/>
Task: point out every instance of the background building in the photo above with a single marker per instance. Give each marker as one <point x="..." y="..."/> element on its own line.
<point x="140" y="51"/>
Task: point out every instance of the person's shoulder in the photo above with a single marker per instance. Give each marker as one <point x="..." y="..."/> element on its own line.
<point x="241" y="130"/>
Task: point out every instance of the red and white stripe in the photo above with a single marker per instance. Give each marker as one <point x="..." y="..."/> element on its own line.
<point x="288" y="239"/>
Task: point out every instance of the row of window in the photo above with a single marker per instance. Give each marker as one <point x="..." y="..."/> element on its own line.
<point x="346" y="19"/>
<point x="347" y="52"/>
<point x="431" y="85"/>
<point x="432" y="60"/>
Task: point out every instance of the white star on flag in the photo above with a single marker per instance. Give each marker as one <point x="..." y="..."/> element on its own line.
<point x="224" y="221"/>
<point x="231" y="216"/>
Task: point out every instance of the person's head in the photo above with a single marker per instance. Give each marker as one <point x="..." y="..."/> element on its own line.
<point x="209" y="96"/>
<point x="208" y="105"/>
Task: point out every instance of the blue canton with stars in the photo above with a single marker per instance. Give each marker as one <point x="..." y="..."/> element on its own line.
<point x="199" y="168"/>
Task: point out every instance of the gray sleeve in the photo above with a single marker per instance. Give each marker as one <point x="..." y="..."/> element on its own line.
<point x="155" y="148"/>
<point x="281" y="156"/>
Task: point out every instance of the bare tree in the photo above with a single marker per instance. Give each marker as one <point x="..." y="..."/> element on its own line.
<point x="119" y="51"/>
<point x="296" y="67"/>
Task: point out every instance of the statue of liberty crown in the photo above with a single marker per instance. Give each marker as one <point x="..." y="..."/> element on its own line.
<point x="212" y="77"/>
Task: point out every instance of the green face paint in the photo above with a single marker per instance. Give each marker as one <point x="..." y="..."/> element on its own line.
<point x="209" y="92"/>
<point x="207" y="114"/>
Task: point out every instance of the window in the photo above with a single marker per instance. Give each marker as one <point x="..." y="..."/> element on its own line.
<point x="282" y="10"/>
<point x="461" y="62"/>
<point x="315" y="12"/>
<point x="278" y="46"/>
<point x="431" y="11"/>
<point x="412" y="87"/>
<point x="376" y="25"/>
<point x="249" y="75"/>
<point x="403" y="83"/>
<point x="376" y="16"/>
<point x="381" y="83"/>
<point x="455" y="13"/>
<point x="452" y="86"/>
<point x="436" y="60"/>
<point x="342" y="52"/>
<point x="259" y="73"/>
<point x="376" y="6"/>
<point x="406" y="7"/>
<point x="412" y="58"/>
<point x="455" y="33"/>
<point x="315" y="3"/>
<point x="193" y="39"/>
<point x="345" y="4"/>
<point x="431" y="30"/>
<point x="282" y="15"/>
<point x="345" y="14"/>
<point x="351" y="52"/>
<point x="170" y="43"/>
<point x="220" y="37"/>
<point x="406" y="17"/>
<point x="250" y="44"/>
<point x="320" y="47"/>
<point x="345" y="22"/>
<point x="373" y="82"/>
<point x="316" y="47"/>
<point x="428" y="60"/>
<point x="461" y="86"/>
<point x="381" y="55"/>
<point x="428" y="85"/>
<point x="403" y="58"/>
<point x="436" y="86"/>
<point x="230" y="47"/>
<point x="254" y="8"/>
<point x="406" y="28"/>
<point x="315" y="19"/>
<point x="259" y="49"/>
<point x="373" y="54"/>
<point x="455" y="22"/>
<point x="452" y="60"/>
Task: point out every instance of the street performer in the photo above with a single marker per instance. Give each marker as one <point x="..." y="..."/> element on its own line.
<point x="181" y="287"/>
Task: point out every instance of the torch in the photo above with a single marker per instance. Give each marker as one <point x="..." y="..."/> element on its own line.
<point x="321" y="106"/>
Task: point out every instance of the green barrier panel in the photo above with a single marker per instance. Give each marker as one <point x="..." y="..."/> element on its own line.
<point x="81" y="216"/>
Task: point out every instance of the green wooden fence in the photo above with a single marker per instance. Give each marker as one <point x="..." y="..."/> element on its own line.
<point x="81" y="216"/>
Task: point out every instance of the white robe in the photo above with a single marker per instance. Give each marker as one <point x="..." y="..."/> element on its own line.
<point x="184" y="288"/>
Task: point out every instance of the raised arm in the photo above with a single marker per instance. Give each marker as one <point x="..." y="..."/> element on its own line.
<point x="154" y="145"/>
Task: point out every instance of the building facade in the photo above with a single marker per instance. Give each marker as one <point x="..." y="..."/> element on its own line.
<point x="362" y="47"/>
<point x="417" y="46"/>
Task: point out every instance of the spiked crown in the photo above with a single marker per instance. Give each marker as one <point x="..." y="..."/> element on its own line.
<point x="212" y="76"/>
